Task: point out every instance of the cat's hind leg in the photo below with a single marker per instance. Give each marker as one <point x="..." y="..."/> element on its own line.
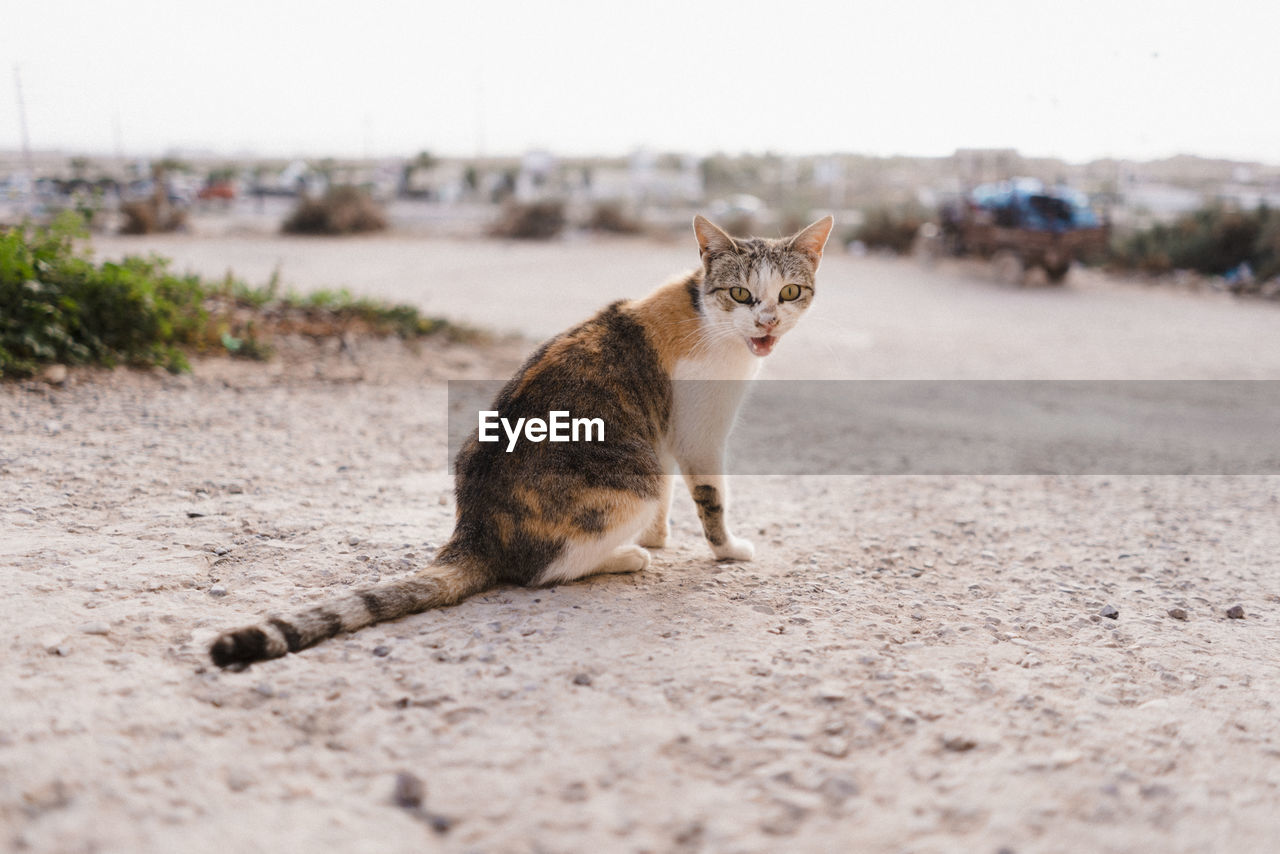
<point x="613" y="550"/>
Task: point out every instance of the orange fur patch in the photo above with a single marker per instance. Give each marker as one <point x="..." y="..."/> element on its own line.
<point x="669" y="319"/>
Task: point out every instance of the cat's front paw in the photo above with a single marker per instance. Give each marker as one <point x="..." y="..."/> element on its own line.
<point x="734" y="548"/>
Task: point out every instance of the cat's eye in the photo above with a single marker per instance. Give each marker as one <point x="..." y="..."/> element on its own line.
<point x="789" y="293"/>
<point x="740" y="294"/>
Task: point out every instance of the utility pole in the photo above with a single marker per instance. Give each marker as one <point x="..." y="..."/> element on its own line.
<point x="117" y="136"/>
<point x="480" y="108"/>
<point x="26" y="143"/>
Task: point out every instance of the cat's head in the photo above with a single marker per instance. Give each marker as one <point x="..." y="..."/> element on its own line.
<point x="756" y="288"/>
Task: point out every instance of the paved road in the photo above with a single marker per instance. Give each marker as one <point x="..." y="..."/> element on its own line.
<point x="874" y="318"/>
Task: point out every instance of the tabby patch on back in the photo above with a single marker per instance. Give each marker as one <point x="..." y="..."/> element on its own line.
<point x="544" y="513"/>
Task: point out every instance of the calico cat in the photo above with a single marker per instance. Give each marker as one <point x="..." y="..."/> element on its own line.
<point x="545" y="514"/>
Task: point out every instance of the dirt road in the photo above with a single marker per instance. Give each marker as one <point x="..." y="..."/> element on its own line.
<point x="912" y="664"/>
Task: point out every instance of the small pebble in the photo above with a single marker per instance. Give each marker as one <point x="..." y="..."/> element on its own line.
<point x="1110" y="612"/>
<point x="830" y="692"/>
<point x="582" y="679"/>
<point x="217" y="590"/>
<point x="575" y="792"/>
<point x="238" y="780"/>
<point x="353" y="541"/>
<point x="834" y="747"/>
<point x="95" y="628"/>
<point x="221" y="550"/>
<point x="409" y="791"/>
<point x="1178" y="614"/>
<point x="382" y="651"/>
<point x="1155" y="790"/>
<point x="785" y="820"/>
<point x="959" y="743"/>
<point x="54" y="374"/>
<point x="837" y="790"/>
<point x="1236" y="612"/>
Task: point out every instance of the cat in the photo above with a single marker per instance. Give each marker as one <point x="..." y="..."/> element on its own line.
<point x="544" y="514"/>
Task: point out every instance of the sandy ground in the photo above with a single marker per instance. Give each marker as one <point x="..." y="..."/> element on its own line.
<point x="912" y="664"/>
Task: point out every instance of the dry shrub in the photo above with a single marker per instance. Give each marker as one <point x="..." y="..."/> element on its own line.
<point x="341" y="210"/>
<point x="740" y="224"/>
<point x="793" y="220"/>
<point x="891" y="228"/>
<point x="613" y="218"/>
<point x="147" y="217"/>
<point x="533" y="221"/>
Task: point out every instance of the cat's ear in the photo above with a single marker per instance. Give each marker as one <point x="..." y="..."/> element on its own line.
<point x="813" y="238"/>
<point x="711" y="239"/>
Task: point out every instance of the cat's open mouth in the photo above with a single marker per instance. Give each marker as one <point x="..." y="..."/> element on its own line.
<point x="763" y="345"/>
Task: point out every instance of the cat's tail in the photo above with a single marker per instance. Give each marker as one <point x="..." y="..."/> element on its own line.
<point x="435" y="586"/>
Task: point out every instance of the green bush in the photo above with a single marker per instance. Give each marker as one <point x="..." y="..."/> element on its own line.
<point x="57" y="305"/>
<point x="1213" y="241"/>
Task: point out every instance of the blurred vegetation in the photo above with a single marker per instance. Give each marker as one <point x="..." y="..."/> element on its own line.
<point x="739" y="224"/>
<point x="612" y="217"/>
<point x="58" y="306"/>
<point x="148" y="216"/>
<point x="221" y="174"/>
<point x="890" y="228"/>
<point x="157" y="212"/>
<point x="793" y="219"/>
<point x="532" y="221"/>
<point x="1214" y="241"/>
<point x="341" y="210"/>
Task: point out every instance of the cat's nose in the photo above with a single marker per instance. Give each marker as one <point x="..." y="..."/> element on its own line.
<point x="768" y="324"/>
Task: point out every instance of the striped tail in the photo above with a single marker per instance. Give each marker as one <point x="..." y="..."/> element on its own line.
<point x="436" y="586"/>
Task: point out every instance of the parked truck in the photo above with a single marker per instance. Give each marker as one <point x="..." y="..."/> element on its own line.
<point x="1020" y="225"/>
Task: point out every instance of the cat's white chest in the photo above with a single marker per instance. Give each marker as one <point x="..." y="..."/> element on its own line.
<point x="731" y="361"/>
<point x="706" y="394"/>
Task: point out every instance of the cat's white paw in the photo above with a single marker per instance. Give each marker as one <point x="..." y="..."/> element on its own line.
<point x="734" y="548"/>
<point x="625" y="559"/>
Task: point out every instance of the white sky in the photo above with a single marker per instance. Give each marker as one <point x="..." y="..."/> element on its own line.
<point x="1070" y="79"/>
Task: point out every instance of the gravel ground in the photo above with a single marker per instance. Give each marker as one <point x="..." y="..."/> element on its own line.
<point x="912" y="664"/>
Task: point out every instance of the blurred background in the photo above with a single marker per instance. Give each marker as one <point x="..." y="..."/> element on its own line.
<point x="991" y="129"/>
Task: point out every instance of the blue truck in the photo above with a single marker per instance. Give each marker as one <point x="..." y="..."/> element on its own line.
<point x="1023" y="224"/>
